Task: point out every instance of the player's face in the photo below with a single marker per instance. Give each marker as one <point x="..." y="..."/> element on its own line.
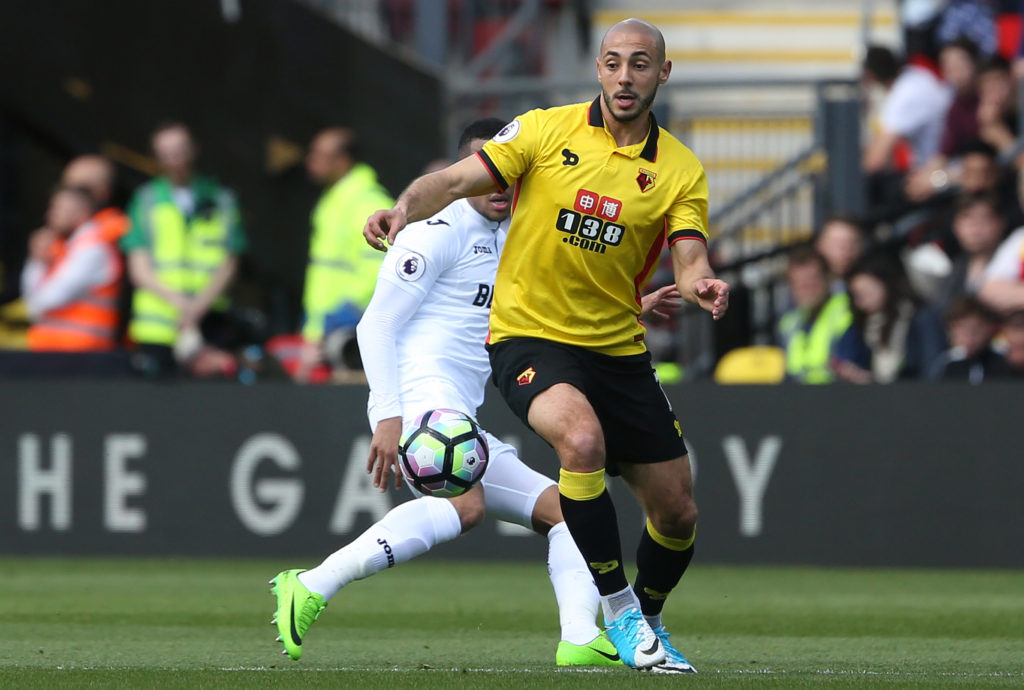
<point x="496" y="206"/>
<point x="630" y="69"/>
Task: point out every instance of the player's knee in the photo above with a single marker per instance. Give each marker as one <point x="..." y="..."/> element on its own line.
<point x="581" y="449"/>
<point x="676" y="520"/>
<point x="471" y="510"/>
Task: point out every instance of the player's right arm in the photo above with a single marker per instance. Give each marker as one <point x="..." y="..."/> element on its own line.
<point x="404" y="280"/>
<point x="426" y="196"/>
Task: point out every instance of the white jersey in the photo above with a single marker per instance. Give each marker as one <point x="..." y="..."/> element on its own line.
<point x="435" y="284"/>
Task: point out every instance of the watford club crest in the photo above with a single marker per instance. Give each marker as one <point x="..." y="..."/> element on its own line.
<point x="526" y="377"/>
<point x="645" y="179"/>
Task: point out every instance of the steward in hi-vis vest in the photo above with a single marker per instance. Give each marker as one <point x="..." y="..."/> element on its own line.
<point x="87" y="320"/>
<point x="189" y="233"/>
<point x="342" y="269"/>
<point x="809" y="345"/>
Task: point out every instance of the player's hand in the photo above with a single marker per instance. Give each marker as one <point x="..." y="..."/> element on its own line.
<point x="383" y="458"/>
<point x="660" y="303"/>
<point x="384" y="225"/>
<point x="712" y="295"/>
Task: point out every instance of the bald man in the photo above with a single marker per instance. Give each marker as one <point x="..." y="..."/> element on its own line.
<point x="342" y="270"/>
<point x="600" y="189"/>
<point x="98" y="174"/>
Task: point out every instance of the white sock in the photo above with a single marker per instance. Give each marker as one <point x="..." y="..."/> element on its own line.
<point x="575" y="591"/>
<point x="653" y="621"/>
<point x="618" y="603"/>
<point x="407" y="531"/>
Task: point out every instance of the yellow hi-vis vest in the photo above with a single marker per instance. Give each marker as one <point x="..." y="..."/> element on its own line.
<point x="342" y="266"/>
<point x="809" y="350"/>
<point x="185" y="251"/>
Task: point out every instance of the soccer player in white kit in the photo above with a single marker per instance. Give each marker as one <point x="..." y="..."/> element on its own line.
<point x="422" y="344"/>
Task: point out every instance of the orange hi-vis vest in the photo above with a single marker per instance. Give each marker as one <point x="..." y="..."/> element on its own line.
<point x="90" y="322"/>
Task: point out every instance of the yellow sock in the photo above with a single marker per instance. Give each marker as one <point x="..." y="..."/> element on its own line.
<point x="670" y="543"/>
<point x="581" y="486"/>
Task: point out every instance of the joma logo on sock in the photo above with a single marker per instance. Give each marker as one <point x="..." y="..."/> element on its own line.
<point x="387" y="550"/>
<point x="604" y="567"/>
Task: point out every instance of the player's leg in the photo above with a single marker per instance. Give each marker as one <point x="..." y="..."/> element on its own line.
<point x="645" y="445"/>
<point x="564" y="418"/>
<point x="543" y="382"/>
<point x="666" y="544"/>
<point x="408" y="530"/>
<point x="516" y="493"/>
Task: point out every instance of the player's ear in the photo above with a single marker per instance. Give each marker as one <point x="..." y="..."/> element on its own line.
<point x="666" y="69"/>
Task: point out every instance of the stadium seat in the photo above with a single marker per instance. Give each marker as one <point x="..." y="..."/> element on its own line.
<point x="755" y="364"/>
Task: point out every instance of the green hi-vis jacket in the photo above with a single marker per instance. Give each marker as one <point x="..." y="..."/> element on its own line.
<point x="186" y="250"/>
<point x="809" y="346"/>
<point x="342" y="266"/>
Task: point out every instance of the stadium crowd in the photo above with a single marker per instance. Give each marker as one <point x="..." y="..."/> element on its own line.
<point x="928" y="284"/>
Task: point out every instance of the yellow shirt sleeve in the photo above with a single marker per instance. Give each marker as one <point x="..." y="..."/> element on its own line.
<point x="687" y="217"/>
<point x="512" y="150"/>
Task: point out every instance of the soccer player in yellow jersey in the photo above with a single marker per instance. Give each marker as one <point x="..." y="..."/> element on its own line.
<point x="599" y="189"/>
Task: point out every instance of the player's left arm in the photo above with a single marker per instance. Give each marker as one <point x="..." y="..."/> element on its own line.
<point x="695" y="280"/>
<point x="686" y="229"/>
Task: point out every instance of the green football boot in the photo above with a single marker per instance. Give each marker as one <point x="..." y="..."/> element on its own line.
<point x="297" y="609"/>
<point x="598" y="652"/>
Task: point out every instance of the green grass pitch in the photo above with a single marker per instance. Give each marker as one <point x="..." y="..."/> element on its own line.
<point x="73" y="623"/>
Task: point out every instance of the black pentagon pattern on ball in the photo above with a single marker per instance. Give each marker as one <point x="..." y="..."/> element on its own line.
<point x="449" y="453"/>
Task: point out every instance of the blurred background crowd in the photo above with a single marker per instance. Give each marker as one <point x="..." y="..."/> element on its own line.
<point x="881" y="238"/>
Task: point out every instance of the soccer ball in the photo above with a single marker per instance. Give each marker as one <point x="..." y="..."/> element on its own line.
<point x="443" y="453"/>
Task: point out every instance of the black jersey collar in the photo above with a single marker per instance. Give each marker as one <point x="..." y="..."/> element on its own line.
<point x="596" y="119"/>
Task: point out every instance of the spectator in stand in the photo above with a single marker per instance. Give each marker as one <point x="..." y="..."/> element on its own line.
<point x="1002" y="286"/>
<point x="183" y="247"/>
<point x="841" y="243"/>
<point x="72" y="278"/>
<point x="1013" y="336"/>
<point x="914" y="110"/>
<point x="970" y="326"/>
<point x="810" y="332"/>
<point x="98" y="175"/>
<point x="343" y="268"/>
<point x="997" y="106"/>
<point x="893" y="335"/>
<point x="978" y="225"/>
<point x="959" y="65"/>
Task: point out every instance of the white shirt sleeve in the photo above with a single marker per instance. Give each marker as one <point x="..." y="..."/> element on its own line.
<point x="916" y="98"/>
<point x="389" y="309"/>
<point x="84" y="269"/>
<point x="32" y="275"/>
<point x="1006" y="264"/>
<point x="421" y="253"/>
<point x="409" y="271"/>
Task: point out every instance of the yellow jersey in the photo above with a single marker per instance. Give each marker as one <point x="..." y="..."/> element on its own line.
<point x="589" y="222"/>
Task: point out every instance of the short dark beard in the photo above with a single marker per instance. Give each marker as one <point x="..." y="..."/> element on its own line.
<point x="645" y="104"/>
